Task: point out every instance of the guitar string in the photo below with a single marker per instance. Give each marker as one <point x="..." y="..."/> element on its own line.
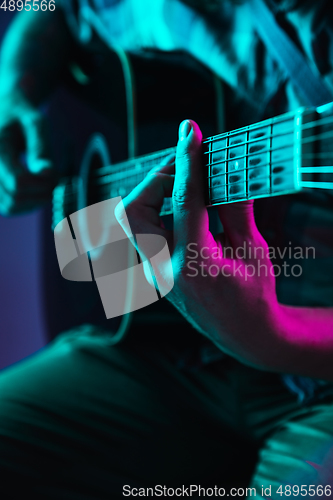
<point x="158" y="156"/>
<point x="312" y="169"/>
<point x="229" y="172"/>
<point x="307" y="140"/>
<point x="304" y="126"/>
<point x="303" y="169"/>
<point x="161" y="154"/>
<point x="323" y="121"/>
<point x="124" y="175"/>
<point x="314" y="183"/>
<point x="144" y="169"/>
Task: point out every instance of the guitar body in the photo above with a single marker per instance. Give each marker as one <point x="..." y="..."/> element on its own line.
<point x="168" y="88"/>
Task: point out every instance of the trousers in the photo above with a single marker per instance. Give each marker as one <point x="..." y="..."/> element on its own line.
<point x="82" y="419"/>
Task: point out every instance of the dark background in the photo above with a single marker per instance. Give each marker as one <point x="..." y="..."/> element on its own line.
<point x="21" y="321"/>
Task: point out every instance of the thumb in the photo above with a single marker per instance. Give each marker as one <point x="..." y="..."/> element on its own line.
<point x="189" y="210"/>
<point x="238" y="222"/>
<point x="37" y="143"/>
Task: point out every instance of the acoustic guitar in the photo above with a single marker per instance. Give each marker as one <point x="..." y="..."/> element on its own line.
<point x="278" y="156"/>
<point x="101" y="102"/>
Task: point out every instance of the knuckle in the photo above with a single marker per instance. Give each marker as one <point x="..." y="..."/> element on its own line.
<point x="183" y="195"/>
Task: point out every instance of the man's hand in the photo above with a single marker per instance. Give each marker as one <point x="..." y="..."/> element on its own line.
<point x="228" y="291"/>
<point x="24" y="184"/>
<point x="218" y="285"/>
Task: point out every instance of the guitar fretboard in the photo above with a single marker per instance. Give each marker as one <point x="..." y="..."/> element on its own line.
<point x="251" y="162"/>
<point x="270" y="158"/>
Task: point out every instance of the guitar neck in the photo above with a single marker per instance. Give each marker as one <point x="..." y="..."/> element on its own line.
<point x="256" y="161"/>
<point x="270" y="158"/>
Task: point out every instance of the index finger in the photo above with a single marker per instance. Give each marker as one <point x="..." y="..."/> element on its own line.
<point x="143" y="205"/>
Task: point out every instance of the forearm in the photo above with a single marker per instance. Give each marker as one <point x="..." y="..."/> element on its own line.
<point x="34" y="55"/>
<point x="306" y="342"/>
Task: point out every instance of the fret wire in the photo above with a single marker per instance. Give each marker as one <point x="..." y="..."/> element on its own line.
<point x="234" y="172"/>
<point x="308" y="156"/>
<point x="268" y="150"/>
<point x="305" y="141"/>
<point x="227" y="171"/>
<point x="302" y="183"/>
<point x="230" y="184"/>
<point x="124" y="174"/>
<point x="270" y="163"/>
<point x="121" y="175"/>
<point x="323" y="121"/>
<point x="209" y="172"/>
<point x="271" y="136"/>
<point x="243" y="129"/>
<point x="146" y="168"/>
<point x="251" y="141"/>
<point x="253" y="168"/>
<point x="171" y="150"/>
<point x="269" y="123"/>
<point x="129" y="162"/>
<point x="247" y="167"/>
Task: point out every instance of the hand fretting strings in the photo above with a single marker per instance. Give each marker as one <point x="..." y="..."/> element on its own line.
<point x="124" y="173"/>
<point x="132" y="171"/>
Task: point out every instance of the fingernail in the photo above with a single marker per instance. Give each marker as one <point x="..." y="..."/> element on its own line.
<point x="184" y="129"/>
